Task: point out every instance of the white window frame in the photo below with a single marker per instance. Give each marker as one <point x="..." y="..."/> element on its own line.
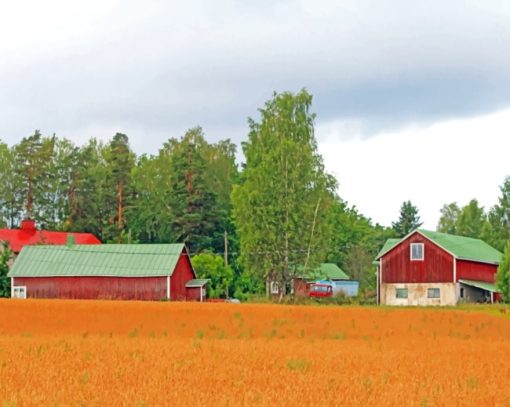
<point x="274" y="287"/>
<point x="422" y="245"/>
<point x="433" y="289"/>
<point x="22" y="289"/>
<point x="401" y="288"/>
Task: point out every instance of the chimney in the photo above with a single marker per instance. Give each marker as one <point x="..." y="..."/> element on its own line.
<point x="28" y="225"/>
<point x="70" y="241"/>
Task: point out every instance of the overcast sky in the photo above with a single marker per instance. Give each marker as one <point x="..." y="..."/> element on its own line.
<point x="412" y="98"/>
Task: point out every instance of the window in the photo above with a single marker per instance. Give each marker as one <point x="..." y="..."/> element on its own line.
<point x="417" y="251"/>
<point x="461" y="292"/>
<point x="274" y="287"/>
<point x="401" y="292"/>
<point x="433" y="293"/>
<point x="19" y="292"/>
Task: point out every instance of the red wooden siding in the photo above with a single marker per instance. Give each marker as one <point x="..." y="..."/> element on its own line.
<point x="472" y="270"/>
<point x="125" y="288"/>
<point x="182" y="274"/>
<point x="301" y="287"/>
<point x="193" y="294"/>
<point x="397" y="267"/>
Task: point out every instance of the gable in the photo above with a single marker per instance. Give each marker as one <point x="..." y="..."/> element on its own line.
<point x="460" y="247"/>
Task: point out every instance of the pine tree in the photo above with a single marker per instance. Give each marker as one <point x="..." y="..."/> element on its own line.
<point x="503" y="275"/>
<point x="408" y="221"/>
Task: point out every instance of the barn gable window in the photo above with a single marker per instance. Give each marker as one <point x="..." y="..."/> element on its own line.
<point x="401" y="293"/>
<point x="433" y="293"/>
<point x="417" y="251"/>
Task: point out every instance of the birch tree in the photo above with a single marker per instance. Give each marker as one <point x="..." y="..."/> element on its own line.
<point x="280" y="207"/>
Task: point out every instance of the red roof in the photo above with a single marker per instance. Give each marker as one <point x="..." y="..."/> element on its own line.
<point x="29" y="235"/>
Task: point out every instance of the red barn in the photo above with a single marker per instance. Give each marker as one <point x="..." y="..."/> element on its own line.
<point x="29" y="235"/>
<point x="110" y="271"/>
<point x="432" y="268"/>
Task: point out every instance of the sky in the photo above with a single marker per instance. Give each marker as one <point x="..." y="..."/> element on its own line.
<point x="412" y="98"/>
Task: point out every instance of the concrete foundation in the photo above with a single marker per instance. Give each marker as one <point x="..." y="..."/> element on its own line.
<point x="417" y="294"/>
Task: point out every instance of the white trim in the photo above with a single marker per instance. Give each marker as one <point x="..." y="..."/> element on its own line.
<point x="12" y="286"/>
<point x="201" y="294"/>
<point x="422" y="258"/>
<point x="19" y="287"/>
<point x="274" y="287"/>
<point x="167" y="287"/>
<point x="377" y="284"/>
<point x="454" y="269"/>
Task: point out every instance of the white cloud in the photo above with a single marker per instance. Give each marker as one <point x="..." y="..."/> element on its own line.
<point x="449" y="161"/>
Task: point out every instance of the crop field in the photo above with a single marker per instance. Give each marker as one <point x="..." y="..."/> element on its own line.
<point x="141" y="354"/>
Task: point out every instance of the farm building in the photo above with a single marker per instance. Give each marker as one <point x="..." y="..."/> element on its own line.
<point x="109" y="271"/>
<point x="29" y="235"/>
<point x="432" y="268"/>
<point x="304" y="278"/>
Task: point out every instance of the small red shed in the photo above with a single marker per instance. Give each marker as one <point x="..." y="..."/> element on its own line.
<point x="432" y="268"/>
<point x="29" y="235"/>
<point x="110" y="271"/>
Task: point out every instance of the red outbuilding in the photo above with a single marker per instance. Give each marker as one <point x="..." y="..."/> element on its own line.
<point x="432" y="268"/>
<point x="110" y="271"/>
<point x="28" y="234"/>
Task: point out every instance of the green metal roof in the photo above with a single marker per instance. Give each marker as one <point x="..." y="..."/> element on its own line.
<point x="197" y="282"/>
<point x="118" y="260"/>
<point x="461" y="247"/>
<point x="390" y="244"/>
<point x="326" y="271"/>
<point x="481" y="284"/>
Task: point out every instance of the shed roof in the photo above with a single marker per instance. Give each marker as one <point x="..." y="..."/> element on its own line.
<point x="325" y="271"/>
<point x="197" y="282"/>
<point x="115" y="260"/>
<point x="466" y="248"/>
<point x="481" y="284"/>
<point x="29" y="235"/>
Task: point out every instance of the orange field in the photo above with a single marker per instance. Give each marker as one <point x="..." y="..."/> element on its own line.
<point x="138" y="354"/>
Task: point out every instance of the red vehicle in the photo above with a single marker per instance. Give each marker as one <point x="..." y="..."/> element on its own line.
<point x="319" y="290"/>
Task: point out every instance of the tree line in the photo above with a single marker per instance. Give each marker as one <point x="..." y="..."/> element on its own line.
<point x="272" y="216"/>
<point x="277" y="212"/>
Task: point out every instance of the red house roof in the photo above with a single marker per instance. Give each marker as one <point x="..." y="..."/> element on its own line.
<point x="29" y="235"/>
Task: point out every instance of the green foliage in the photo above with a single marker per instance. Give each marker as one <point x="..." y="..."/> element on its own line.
<point x="449" y="218"/>
<point x="496" y="230"/>
<point x="211" y="266"/>
<point x="471" y="220"/>
<point x="280" y="207"/>
<point x="503" y="275"/>
<point x="408" y="221"/>
<point x="5" y="282"/>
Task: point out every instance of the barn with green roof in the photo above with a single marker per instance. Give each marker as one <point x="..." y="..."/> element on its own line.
<point x="432" y="268"/>
<point x="108" y="271"/>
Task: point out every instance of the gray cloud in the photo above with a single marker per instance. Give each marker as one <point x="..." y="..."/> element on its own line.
<point x="154" y="71"/>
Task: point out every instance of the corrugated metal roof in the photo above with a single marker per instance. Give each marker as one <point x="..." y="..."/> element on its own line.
<point x="326" y="271"/>
<point x="118" y="260"/>
<point x="197" y="282"/>
<point x="481" y="284"/>
<point x="461" y="247"/>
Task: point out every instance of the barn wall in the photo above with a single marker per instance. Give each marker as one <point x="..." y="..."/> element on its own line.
<point x="300" y="287"/>
<point x="125" y="288"/>
<point x="417" y="294"/>
<point x="193" y="293"/>
<point x="182" y="274"/>
<point x="471" y="270"/>
<point x="397" y="266"/>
